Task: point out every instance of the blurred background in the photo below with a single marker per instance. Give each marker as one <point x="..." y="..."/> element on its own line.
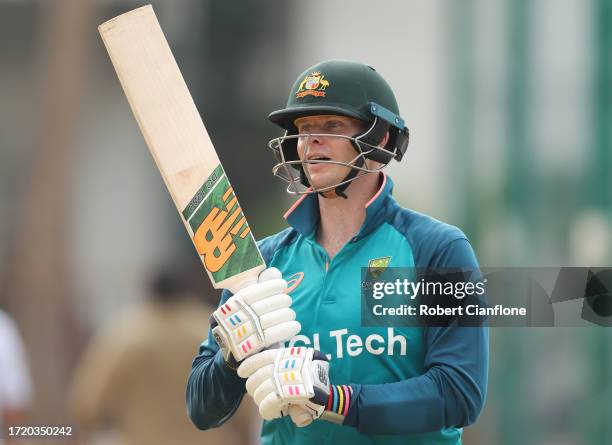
<point x="509" y="103"/>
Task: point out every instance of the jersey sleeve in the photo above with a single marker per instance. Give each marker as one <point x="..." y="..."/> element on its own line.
<point x="214" y="390"/>
<point x="452" y="390"/>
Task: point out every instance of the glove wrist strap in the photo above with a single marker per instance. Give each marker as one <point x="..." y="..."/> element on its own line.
<point x="338" y="403"/>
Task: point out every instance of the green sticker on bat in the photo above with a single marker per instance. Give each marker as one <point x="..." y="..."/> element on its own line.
<point x="221" y="233"/>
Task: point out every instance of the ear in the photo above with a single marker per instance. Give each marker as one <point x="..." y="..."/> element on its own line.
<point x="384" y="140"/>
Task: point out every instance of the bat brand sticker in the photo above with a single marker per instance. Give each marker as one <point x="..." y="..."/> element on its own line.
<point x="214" y="238"/>
<point x="220" y="231"/>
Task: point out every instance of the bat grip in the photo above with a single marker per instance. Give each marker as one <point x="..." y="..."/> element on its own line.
<point x="243" y="279"/>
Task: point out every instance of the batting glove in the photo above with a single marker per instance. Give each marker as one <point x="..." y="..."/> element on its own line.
<point x="254" y="318"/>
<point x="292" y="381"/>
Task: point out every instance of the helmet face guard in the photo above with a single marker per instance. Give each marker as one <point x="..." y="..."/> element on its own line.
<point x="293" y="170"/>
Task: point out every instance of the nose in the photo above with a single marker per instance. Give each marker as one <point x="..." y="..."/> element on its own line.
<point x="315" y="139"/>
<point x="306" y="142"/>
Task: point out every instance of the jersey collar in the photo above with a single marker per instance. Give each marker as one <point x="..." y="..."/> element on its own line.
<point x="303" y="215"/>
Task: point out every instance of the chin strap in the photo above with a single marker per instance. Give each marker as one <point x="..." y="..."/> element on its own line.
<point x="341" y="188"/>
<point x="385" y="122"/>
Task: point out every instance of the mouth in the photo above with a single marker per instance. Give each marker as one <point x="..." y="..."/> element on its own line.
<point x="318" y="158"/>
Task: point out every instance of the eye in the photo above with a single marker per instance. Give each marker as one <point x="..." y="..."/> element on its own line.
<point x="333" y="125"/>
<point x="304" y="128"/>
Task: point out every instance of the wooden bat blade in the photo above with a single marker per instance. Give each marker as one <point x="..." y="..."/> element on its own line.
<point x="181" y="147"/>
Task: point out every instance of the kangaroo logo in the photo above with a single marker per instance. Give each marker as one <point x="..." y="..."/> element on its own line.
<point x="313" y="84"/>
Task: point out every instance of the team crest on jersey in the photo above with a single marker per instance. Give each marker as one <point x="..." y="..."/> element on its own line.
<point x="314" y="84"/>
<point x="377" y="266"/>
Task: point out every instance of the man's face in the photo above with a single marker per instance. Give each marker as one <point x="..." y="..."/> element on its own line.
<point x="326" y="147"/>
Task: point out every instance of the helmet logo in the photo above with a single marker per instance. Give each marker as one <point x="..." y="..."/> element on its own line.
<point x="313" y="84"/>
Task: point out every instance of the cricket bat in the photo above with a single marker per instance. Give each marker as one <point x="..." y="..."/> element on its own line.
<point x="181" y="148"/>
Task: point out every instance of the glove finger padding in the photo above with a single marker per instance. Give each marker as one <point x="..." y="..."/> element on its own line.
<point x="266" y="387"/>
<point x="258" y="291"/>
<point x="256" y="362"/>
<point x="236" y="324"/>
<point x="282" y="378"/>
<point x="269" y="274"/>
<point x="270" y="407"/>
<point x="281" y="332"/>
<point x="276" y="317"/>
<point x="271" y="303"/>
<point x="260" y="376"/>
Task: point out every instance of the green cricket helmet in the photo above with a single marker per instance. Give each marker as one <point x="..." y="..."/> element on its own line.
<point x="340" y="87"/>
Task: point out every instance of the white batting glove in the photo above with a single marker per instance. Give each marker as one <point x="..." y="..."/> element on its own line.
<point x="285" y="381"/>
<point x="254" y="318"/>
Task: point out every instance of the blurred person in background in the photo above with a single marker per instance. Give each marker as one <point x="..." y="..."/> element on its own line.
<point x="129" y="387"/>
<point x="339" y="382"/>
<point x="15" y="380"/>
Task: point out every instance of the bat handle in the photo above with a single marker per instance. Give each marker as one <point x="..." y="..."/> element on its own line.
<point x="249" y="277"/>
<point x="243" y="284"/>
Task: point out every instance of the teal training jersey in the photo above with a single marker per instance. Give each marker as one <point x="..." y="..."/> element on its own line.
<point x="410" y="385"/>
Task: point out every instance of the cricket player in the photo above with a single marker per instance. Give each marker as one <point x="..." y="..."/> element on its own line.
<point x="317" y="375"/>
